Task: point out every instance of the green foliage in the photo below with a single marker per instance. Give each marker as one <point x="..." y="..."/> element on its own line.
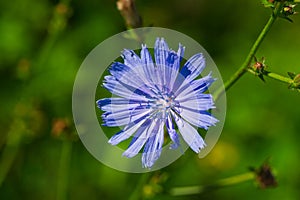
<point x="42" y="46"/>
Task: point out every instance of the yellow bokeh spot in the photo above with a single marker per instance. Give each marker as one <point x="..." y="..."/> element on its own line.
<point x="224" y="156"/>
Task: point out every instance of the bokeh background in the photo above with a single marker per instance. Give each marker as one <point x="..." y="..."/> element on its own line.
<point x="42" y="44"/>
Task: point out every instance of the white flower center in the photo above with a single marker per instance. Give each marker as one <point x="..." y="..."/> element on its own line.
<point x="164" y="104"/>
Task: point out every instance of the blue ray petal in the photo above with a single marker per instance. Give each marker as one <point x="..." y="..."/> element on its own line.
<point x="106" y="104"/>
<point x="199" y="86"/>
<point x="198" y="102"/>
<point x="130" y="79"/>
<point x="161" y="53"/>
<point x="125" y="117"/>
<point x="128" y="131"/>
<point x="175" y="80"/>
<point x="117" y="88"/>
<point x="189" y="134"/>
<point x="193" y="67"/>
<point x="151" y="71"/>
<point x="131" y="59"/>
<point x="140" y="139"/>
<point x="199" y="118"/>
<point x="172" y="133"/>
<point x="120" y="111"/>
<point x="153" y="146"/>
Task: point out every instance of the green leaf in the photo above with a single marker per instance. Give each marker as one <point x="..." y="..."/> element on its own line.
<point x="261" y="76"/>
<point x="289" y="19"/>
<point x="291" y="75"/>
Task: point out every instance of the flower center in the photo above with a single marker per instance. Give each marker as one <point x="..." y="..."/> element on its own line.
<point x="165" y="103"/>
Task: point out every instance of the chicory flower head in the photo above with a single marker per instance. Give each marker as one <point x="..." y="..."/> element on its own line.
<point x="157" y="95"/>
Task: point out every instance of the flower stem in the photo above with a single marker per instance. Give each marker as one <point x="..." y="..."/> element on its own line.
<point x="274" y="76"/>
<point x="130" y="14"/>
<point x="190" y="190"/>
<point x="8" y="156"/>
<point x="137" y="193"/>
<point x="12" y="146"/>
<point x="241" y="71"/>
<point x="63" y="171"/>
<point x="55" y="27"/>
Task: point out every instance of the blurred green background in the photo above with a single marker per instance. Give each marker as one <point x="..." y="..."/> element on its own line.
<point x="42" y="46"/>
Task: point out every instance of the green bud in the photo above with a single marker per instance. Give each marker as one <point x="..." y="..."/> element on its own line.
<point x="288" y="10"/>
<point x="259" y="68"/>
<point x="296" y="81"/>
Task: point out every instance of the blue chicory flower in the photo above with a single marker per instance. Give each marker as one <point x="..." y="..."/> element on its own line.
<point x="154" y="96"/>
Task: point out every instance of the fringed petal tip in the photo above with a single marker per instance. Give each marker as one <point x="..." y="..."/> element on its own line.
<point x="197" y="146"/>
<point x="174" y="146"/>
<point x="102" y="102"/>
<point x="149" y="158"/>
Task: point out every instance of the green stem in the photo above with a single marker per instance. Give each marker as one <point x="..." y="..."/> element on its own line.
<point x="8" y="156"/>
<point x="191" y="190"/>
<point x="137" y="193"/>
<point x="241" y="71"/>
<point x="11" y="148"/>
<point x="274" y="76"/>
<point x="55" y="28"/>
<point x="63" y="171"/>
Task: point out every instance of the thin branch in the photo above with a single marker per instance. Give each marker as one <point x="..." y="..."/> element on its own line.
<point x="137" y="194"/>
<point x="191" y="190"/>
<point x="130" y="14"/>
<point x="241" y="71"/>
<point x="64" y="168"/>
<point x="274" y="76"/>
